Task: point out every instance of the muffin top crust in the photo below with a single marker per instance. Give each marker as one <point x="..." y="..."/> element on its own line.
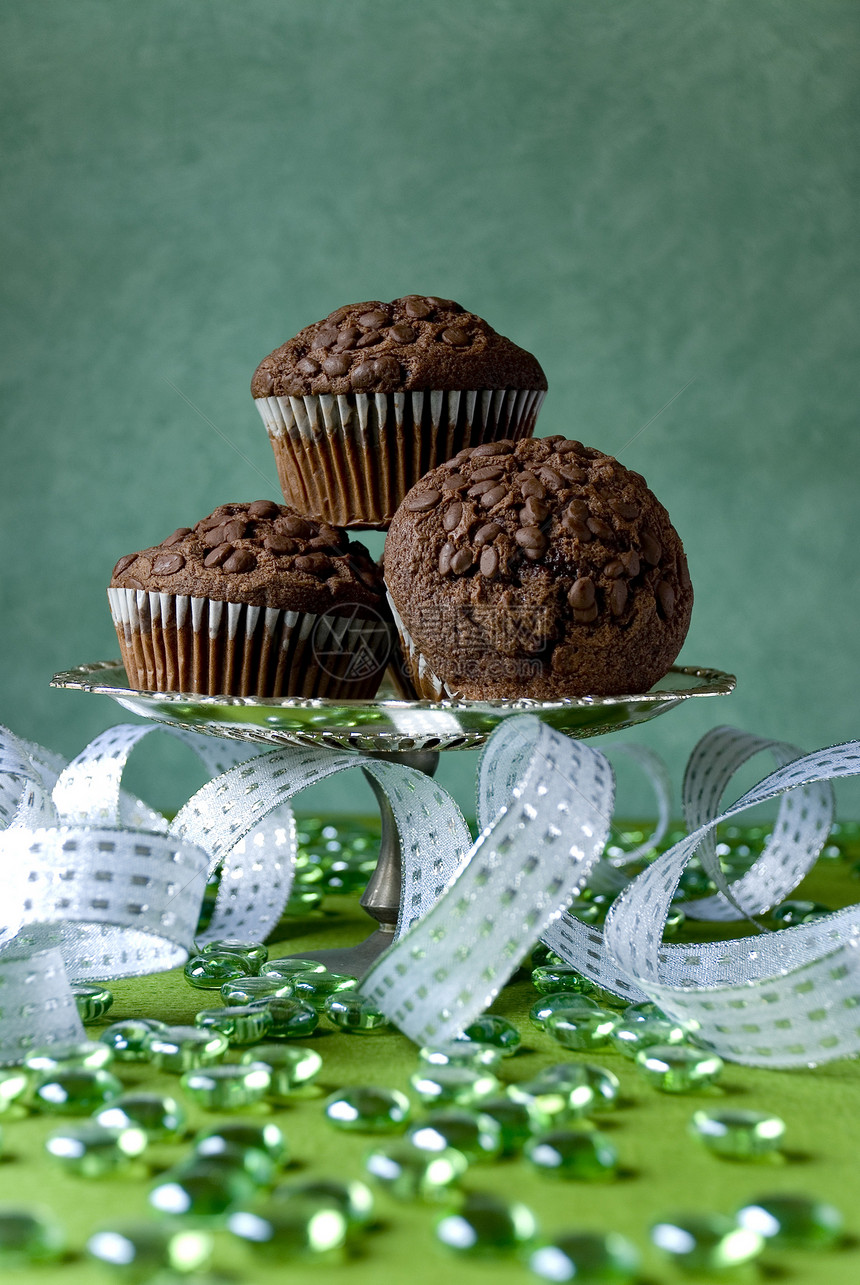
<point x="262" y="554"/>
<point x="414" y="343"/>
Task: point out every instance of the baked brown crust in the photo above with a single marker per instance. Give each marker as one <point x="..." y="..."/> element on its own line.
<point x="417" y="342"/>
<point x="261" y="554"/>
<point x="541" y="568"/>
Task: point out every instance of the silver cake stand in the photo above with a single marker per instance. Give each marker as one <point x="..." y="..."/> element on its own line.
<point x="401" y="731"/>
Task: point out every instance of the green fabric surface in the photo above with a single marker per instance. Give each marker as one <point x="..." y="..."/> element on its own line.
<point x="663" y="1171"/>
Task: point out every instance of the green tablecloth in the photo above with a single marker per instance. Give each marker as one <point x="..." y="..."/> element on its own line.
<point x="664" y="1171"/>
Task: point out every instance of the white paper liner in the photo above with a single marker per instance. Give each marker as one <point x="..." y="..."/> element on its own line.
<point x="350" y="458"/>
<point x="174" y="642"/>
<point x="426" y="682"/>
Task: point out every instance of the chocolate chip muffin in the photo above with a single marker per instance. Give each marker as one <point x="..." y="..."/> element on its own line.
<point x="254" y="600"/>
<point x="361" y="404"/>
<point x="539" y="568"/>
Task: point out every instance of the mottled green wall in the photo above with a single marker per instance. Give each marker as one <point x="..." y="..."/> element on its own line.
<point x="643" y="192"/>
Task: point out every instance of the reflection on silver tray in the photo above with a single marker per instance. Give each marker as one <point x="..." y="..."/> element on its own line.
<point x="387" y="725"/>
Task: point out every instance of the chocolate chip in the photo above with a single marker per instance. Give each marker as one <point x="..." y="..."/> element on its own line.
<point x="167" y="564"/>
<point x="213" y="537"/>
<point x="684" y="572"/>
<point x="532" y="541"/>
<point x="534" y="511"/>
<point x="307" y="366"/>
<point x="339" y="315"/>
<point x="267" y="380"/>
<point x="503" y="447"/>
<point x="489" y="562"/>
<point x="489" y="498"/>
<point x="132" y="583"/>
<point x="578" y="509"/>
<point x="347" y="338"/>
<point x="240" y="560"/>
<point x="572" y="474"/>
<point x="600" y="528"/>
<point x="567" y="447"/>
<point x="263" y="509"/>
<point x="326" y="338"/>
<point x="402" y="333"/>
<point x="618" y="597"/>
<point x="480" y="488"/>
<point x="179" y="534"/>
<point x="386" y="368"/>
<point x="374" y="319"/>
<point x="124" y="563"/>
<point x="491" y="471"/>
<point x="531" y="487"/>
<point x="292" y="524"/>
<point x="314" y="564"/>
<point x="336" y="537"/>
<point x="415" y="306"/>
<point x="335" y="366"/>
<point x="575" y="527"/>
<point x="631" y="562"/>
<point x="652" y="549"/>
<point x="422" y="501"/>
<point x="666" y="599"/>
<point x="448" y="304"/>
<point x="445" y="555"/>
<point x="625" y="509"/>
<point x="461" y="561"/>
<point x="280" y="544"/>
<point x="372" y="337"/>
<point x="218" y="556"/>
<point x="581" y="593"/>
<point x="362" y="375"/>
<point x="234" y="529"/>
<point x="487" y="533"/>
<point x="453" y="514"/>
<point x="456" y="337"/>
<point x="586" y="616"/>
<point x="614" y="569"/>
<point x="551" y="478"/>
<point x="455" y="482"/>
<point x="213" y="520"/>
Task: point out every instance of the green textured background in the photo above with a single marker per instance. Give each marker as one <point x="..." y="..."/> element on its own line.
<point x="645" y="193"/>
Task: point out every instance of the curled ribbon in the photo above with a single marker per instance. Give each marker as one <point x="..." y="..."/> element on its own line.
<point x="98" y="885"/>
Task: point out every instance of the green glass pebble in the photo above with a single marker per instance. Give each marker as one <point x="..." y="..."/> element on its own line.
<point x="706" y="1242"/>
<point x="75" y="1092"/>
<point x="793" y="1221"/>
<point x="642" y="1011"/>
<point x="315" y="988"/>
<point x="584" y="1155"/>
<point x="286" y="968"/>
<point x="629" y="1038"/>
<point x="518" y="1121"/>
<point x="139" y="1249"/>
<point x="542" y="954"/>
<point x="474" y="1135"/>
<point x="222" y="1157"/>
<point x="461" y="1053"/>
<point x="265" y="1137"/>
<point x="14" y="1084"/>
<point x="128" y="1040"/>
<point x="210" y="972"/>
<point x="559" y="1101"/>
<point x="201" y="1190"/>
<point x="227" y="1087"/>
<point x="485" y="1224"/>
<point x="292" y="1067"/>
<point x="604" y="1083"/>
<point x="92" y="1150"/>
<point x="678" y="1068"/>
<point x="406" y="1173"/>
<point x="580" y="1031"/>
<point x="460" y="1086"/>
<point x="790" y="913"/>
<point x="550" y="979"/>
<point x="69" y="1055"/>
<point x="565" y="1001"/>
<point x="183" y="1048"/>
<point x="302" y="900"/>
<point x="255" y="952"/>
<point x="292" y="1019"/>
<point x="29" y="1237"/>
<point x="159" y="1115"/>
<point x="589" y="1258"/>
<point x="352" y="1013"/>
<point x="92" y="1001"/>
<point x="240" y="992"/>
<point x="241" y="1025"/>
<point x="676" y="920"/>
<point x="738" y="1134"/>
<point x="284" y="1230"/>
<point x="354" y="1199"/>
<point x="368" y="1109"/>
<point x="496" y="1031"/>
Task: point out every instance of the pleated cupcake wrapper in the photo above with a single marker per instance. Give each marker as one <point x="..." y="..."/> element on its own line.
<point x="350" y="459"/>
<point x="173" y="642"/>
<point x="428" y="685"/>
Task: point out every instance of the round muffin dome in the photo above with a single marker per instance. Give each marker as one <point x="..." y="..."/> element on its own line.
<point x="540" y="568"/>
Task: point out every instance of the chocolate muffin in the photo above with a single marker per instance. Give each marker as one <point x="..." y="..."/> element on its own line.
<point x="254" y="600"/>
<point x="539" y="568"/>
<point x="360" y="405"/>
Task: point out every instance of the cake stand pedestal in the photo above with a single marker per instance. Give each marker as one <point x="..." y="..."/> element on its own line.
<point x="409" y="732"/>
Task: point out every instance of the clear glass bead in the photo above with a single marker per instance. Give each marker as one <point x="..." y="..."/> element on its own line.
<point x="486" y="1224"/>
<point x="128" y="1040"/>
<point x="558" y="1101"/>
<point x="315" y="988"/>
<point x="292" y="1067"/>
<point x="240" y="992"/>
<point x="566" y="1001"/>
<point x="139" y="1249"/>
<point x="407" y="1173"/>
<point x="368" y="1109"/>
<point x="264" y="1137"/>
<point x="159" y="1115"/>
<point x="589" y="1258"/>
<point x="92" y="1150"/>
<point x="353" y="1198"/>
<point x="551" y="979"/>
<point x="461" y="1053"/>
<point x="183" y="1048"/>
<point x="580" y="1031"/>
<point x="70" y="1055"/>
<point x="706" y="1242"/>
<point x="210" y="972"/>
<point x="256" y="952"/>
<point x="92" y="1001"/>
<point x="453" y="1085"/>
<point x="292" y="1229"/>
<point x="584" y="1155"/>
<point x="228" y="1087"/>
<point x="570" y="1075"/>
<point x="517" y="1120"/>
<point x="496" y="1031"/>
<point x="201" y="1191"/>
<point x="14" y="1084"/>
<point x="630" y="1037"/>
<point x="29" y="1237"/>
<point x="790" y="1220"/>
<point x="738" y="1134"/>
<point x="292" y="1019"/>
<point x="473" y="1134"/>
<point x="678" y="1068"/>
<point x="352" y="1013"/>
<point x="78" y="1092"/>
<point x="287" y="968"/>
<point x="241" y="1025"/>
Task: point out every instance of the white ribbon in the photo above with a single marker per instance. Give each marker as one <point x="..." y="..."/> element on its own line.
<point x="97" y="885"/>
